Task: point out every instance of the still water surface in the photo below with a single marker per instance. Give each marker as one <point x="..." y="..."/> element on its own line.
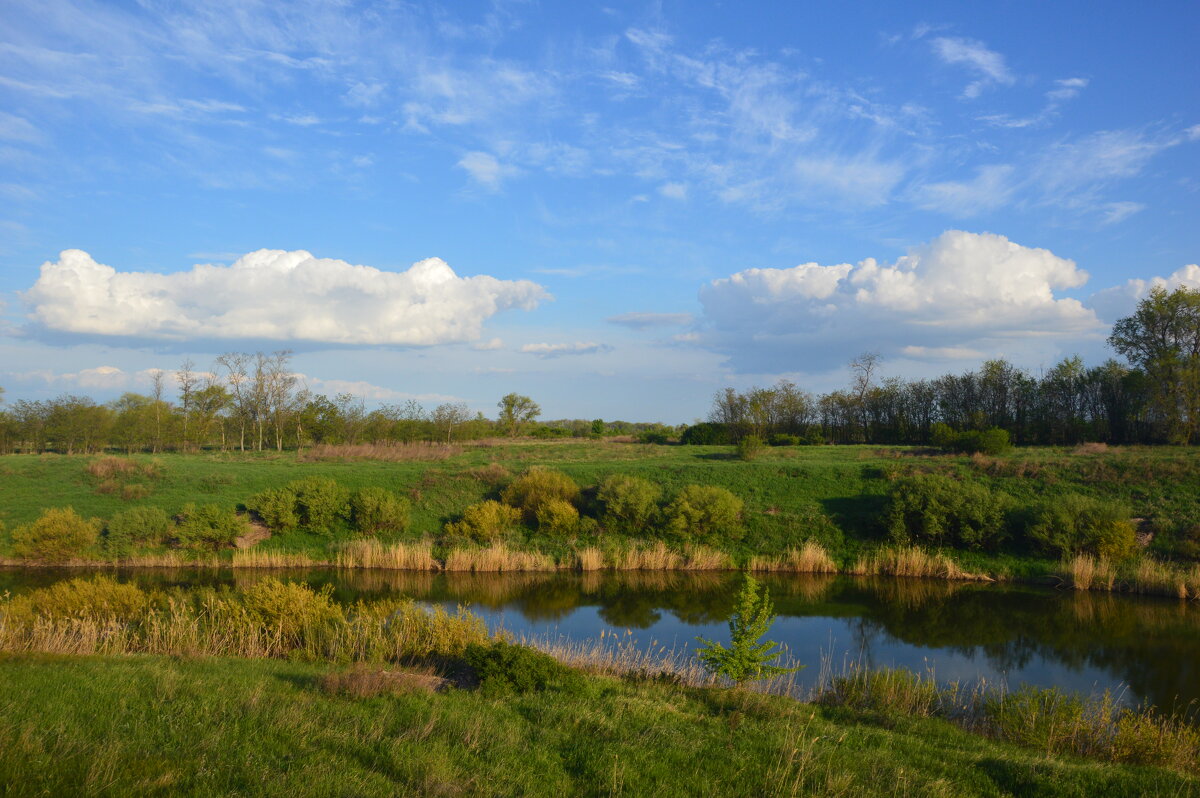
<point x="1149" y="648"/>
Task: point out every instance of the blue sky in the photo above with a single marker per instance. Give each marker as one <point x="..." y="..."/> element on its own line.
<point x="632" y="205"/>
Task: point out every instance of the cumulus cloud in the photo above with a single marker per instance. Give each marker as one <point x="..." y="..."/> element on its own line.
<point x="961" y="292"/>
<point x="558" y="350"/>
<point x="273" y="295"/>
<point x="641" y="321"/>
<point x="987" y="64"/>
<point x="1113" y="303"/>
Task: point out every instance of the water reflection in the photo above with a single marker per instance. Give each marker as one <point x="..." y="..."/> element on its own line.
<point x="963" y="631"/>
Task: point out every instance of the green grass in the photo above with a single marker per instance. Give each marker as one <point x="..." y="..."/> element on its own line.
<point x="143" y="725"/>
<point x="784" y="490"/>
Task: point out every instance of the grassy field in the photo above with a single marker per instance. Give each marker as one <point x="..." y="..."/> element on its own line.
<point x="144" y="725"/>
<point x="832" y="494"/>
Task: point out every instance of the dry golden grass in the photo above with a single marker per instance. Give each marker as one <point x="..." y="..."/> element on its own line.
<point x="811" y="558"/>
<point x="497" y="557"/>
<point x="257" y="558"/>
<point x="399" y="556"/>
<point x="1153" y="577"/>
<point x="647" y="558"/>
<point x="912" y="561"/>
<point x="703" y="558"/>
<point x="365" y="681"/>
<point x="1084" y="572"/>
<point x="387" y="452"/>
<point x="589" y="558"/>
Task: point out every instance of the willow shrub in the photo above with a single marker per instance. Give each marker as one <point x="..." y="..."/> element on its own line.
<point x="558" y="518"/>
<point x="700" y="512"/>
<point x="137" y="526"/>
<point x="210" y="526"/>
<point x="277" y="509"/>
<point x="320" y="503"/>
<point x="374" y="510"/>
<point x="484" y="522"/>
<point x="629" y="503"/>
<point x="936" y="509"/>
<point x="58" y="535"/>
<point x="537" y="486"/>
<point x="1074" y="524"/>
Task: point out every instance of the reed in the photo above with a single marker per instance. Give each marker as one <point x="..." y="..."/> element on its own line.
<point x="912" y="561"/>
<point x="704" y="558"/>
<point x="259" y="558"/>
<point x="811" y="558"/>
<point x="1154" y="577"/>
<point x="1084" y="572"/>
<point x="647" y="558"/>
<point x="397" y="556"/>
<point x="589" y="558"/>
<point x="497" y="557"/>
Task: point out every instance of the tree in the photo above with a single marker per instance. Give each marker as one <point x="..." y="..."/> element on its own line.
<point x="450" y="415"/>
<point x="516" y="410"/>
<point x="746" y="659"/>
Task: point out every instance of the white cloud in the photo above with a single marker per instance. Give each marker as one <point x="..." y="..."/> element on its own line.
<point x="367" y="390"/>
<point x="677" y="191"/>
<point x="641" y="321"/>
<point x="1120" y="211"/>
<point x="961" y="291"/>
<point x="15" y="128"/>
<point x="273" y="295"/>
<point x="942" y="352"/>
<point x="103" y="378"/>
<point x="1066" y="89"/>
<point x="974" y="55"/>
<point x="1113" y="303"/>
<point x="992" y="188"/>
<point x="863" y="179"/>
<point x="558" y="350"/>
<point x="489" y="346"/>
<point x="485" y="169"/>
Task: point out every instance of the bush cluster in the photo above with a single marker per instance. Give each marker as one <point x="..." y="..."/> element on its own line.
<point x="988" y="441"/>
<point x="1074" y="524"/>
<point x="508" y="668"/>
<point x="210" y="526"/>
<point x="319" y="505"/>
<point x="60" y="534"/>
<point x="484" y="522"/>
<point x="137" y="526"/>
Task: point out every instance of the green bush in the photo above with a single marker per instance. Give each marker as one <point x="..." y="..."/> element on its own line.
<point x="988" y="441"/>
<point x="484" y="522"/>
<point x="537" y="486"/>
<point x="505" y="667"/>
<point x="292" y="611"/>
<point x="321" y="501"/>
<point x="557" y="517"/>
<point x="653" y="436"/>
<point x="99" y="598"/>
<point x="135" y="527"/>
<point x="630" y="503"/>
<point x="277" y="509"/>
<point x="374" y="510"/>
<point x="210" y="526"/>
<point x="750" y="447"/>
<point x="701" y="511"/>
<point x="1074" y="524"/>
<point x="58" y="535"/>
<point x="783" y="439"/>
<point x="706" y="433"/>
<point x="933" y="508"/>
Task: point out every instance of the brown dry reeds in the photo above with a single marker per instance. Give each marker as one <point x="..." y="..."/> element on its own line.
<point x="1084" y="572"/>
<point x="647" y="558"/>
<point x="1152" y="577"/>
<point x="398" y="556"/>
<point x="811" y="558"/>
<point x="258" y="558"/>
<point x="364" y="681"/>
<point x="912" y="561"/>
<point x="496" y="558"/>
<point x="589" y="558"/>
<point x="384" y="451"/>
<point x="703" y="558"/>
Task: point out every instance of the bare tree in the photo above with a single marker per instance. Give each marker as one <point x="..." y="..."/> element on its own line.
<point x="236" y="377"/>
<point x="156" y="383"/>
<point x="187" y="386"/>
<point x="448" y="416"/>
<point x="863" y="368"/>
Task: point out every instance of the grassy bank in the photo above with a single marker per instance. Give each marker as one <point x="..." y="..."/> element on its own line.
<point x="813" y="509"/>
<point x="164" y="726"/>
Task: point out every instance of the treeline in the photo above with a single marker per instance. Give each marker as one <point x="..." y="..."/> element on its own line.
<point x="254" y="402"/>
<point x="1069" y="404"/>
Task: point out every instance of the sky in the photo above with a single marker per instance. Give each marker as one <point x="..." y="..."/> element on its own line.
<point x="616" y="209"/>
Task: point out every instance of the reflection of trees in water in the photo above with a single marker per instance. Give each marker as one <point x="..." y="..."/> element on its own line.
<point x="1153" y="645"/>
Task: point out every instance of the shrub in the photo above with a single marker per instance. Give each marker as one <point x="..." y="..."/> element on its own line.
<point x="321" y="501"/>
<point x="654" y="436"/>
<point x="704" y="510"/>
<point x="277" y="509"/>
<point x="377" y="510"/>
<point x="99" y="598"/>
<point x="134" y="527"/>
<point x="505" y="667"/>
<point x="988" y="441"/>
<point x="783" y="439"/>
<point x="484" y="522"/>
<point x="58" y="535"/>
<point x="290" y="610"/>
<point x="706" y="434"/>
<point x="210" y="526"/>
<point x="750" y="447"/>
<point x="1074" y="524"/>
<point x="630" y="503"/>
<point x="557" y="517"/>
<point x="746" y="659"/>
<point x="537" y="486"/>
<point x="933" y="508"/>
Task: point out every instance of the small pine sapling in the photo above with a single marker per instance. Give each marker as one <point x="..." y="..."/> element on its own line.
<point x="746" y="659"/>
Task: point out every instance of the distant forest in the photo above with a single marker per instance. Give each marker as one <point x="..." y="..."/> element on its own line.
<point x="255" y="402"/>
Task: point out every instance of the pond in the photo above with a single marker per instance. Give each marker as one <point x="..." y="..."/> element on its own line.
<point x="1145" y="648"/>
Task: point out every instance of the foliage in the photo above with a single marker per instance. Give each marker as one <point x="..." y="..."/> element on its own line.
<point x="630" y="503"/>
<point x="99" y="598"/>
<point x="484" y="522"/>
<point x="991" y="441"/>
<point x="784" y="439"/>
<point x="134" y="527"/>
<point x="277" y="508"/>
<point x="320" y="502"/>
<point x="506" y="667"/>
<point x="656" y="437"/>
<point x="58" y="535"/>
<point x="1074" y="524"/>
<point x="537" y="486"/>
<point x="291" y="610"/>
<point x="374" y="509"/>
<point x="706" y="433"/>
<point x="750" y="447"/>
<point x="699" y="511"/>
<point x="515" y="411"/>
<point x="210" y="526"/>
<point x="557" y="517"/>
<point x="934" y="508"/>
<point x="746" y="659"/>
